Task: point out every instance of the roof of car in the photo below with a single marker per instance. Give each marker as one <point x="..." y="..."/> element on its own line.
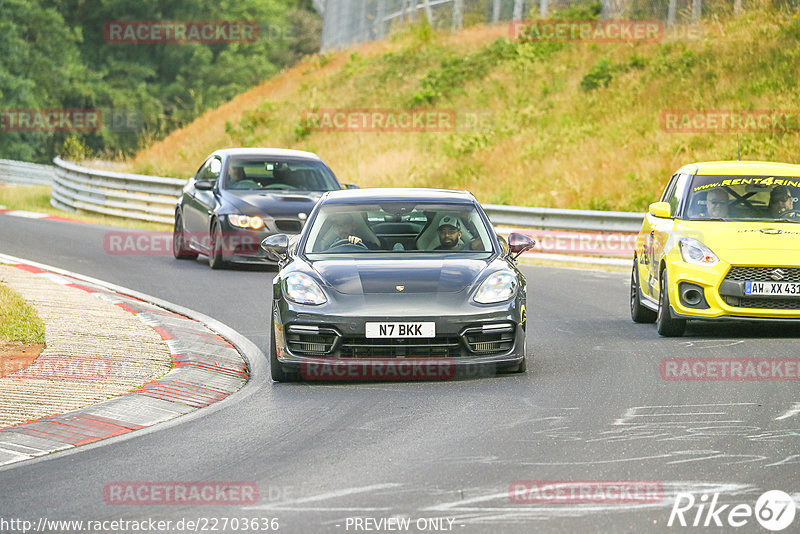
<point x="741" y="168"/>
<point x="411" y="194"/>
<point x="278" y="152"/>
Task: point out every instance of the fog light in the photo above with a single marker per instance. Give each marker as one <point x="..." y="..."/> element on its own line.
<point x="692" y="296"/>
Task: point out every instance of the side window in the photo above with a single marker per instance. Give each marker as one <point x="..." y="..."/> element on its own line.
<point x="675" y="197"/>
<point x="210" y="170"/>
<point x="669" y="189"/>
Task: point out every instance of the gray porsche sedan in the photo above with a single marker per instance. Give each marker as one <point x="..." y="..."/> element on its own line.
<point x="405" y="284"/>
<point x="239" y="196"/>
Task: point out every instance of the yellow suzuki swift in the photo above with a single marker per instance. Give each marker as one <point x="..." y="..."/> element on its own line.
<point x="723" y="243"/>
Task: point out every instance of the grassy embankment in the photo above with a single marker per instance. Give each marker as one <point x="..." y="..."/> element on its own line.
<point x="573" y="125"/>
<point x="18" y="320"/>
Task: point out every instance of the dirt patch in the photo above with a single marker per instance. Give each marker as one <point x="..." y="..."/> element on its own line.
<point x="14" y="355"/>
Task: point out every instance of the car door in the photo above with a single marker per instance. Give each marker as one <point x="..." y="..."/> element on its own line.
<point x="658" y="232"/>
<point x="201" y="204"/>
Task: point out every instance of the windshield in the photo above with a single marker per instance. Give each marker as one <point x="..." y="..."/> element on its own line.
<point x="743" y="198"/>
<point x="397" y="228"/>
<point x="279" y="175"/>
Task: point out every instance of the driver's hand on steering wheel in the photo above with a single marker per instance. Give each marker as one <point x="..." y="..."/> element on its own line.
<point x="354" y="239"/>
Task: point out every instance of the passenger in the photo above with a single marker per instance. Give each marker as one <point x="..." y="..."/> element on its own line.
<point x="449" y="234"/>
<point x="717" y="202"/>
<point x="236" y="175"/>
<point x="780" y="201"/>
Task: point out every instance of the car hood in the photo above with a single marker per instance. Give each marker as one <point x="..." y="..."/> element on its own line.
<point x="406" y="276"/>
<point x="277" y="204"/>
<point x="722" y="236"/>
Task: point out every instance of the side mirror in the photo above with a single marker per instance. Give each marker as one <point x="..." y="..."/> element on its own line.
<point x="519" y="243"/>
<point x="276" y="246"/>
<point x="661" y="209"/>
<point x="351" y="186"/>
<point x="204" y="185"/>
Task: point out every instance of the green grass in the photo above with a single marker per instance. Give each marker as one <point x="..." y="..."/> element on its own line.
<point x="571" y="125"/>
<point x="18" y="320"/>
<point x="37" y="198"/>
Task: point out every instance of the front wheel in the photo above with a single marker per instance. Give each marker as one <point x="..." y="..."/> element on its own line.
<point x="215" y="259"/>
<point x="667" y="325"/>
<point x="275" y="368"/>
<point x="179" y="248"/>
<point x="639" y="313"/>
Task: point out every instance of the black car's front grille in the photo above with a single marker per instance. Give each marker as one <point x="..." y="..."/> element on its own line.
<point x="492" y="340"/>
<point x="362" y="347"/>
<point x="762" y="274"/>
<point x="288" y="225"/>
<point x="311" y="341"/>
<point x="763" y="302"/>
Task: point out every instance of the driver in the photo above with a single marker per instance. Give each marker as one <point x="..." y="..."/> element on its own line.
<point x="236" y="174"/>
<point x="717" y="204"/>
<point x="344" y="227"/>
<point x="780" y="201"/>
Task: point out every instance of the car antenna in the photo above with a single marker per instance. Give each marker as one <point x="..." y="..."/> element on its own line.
<point x="738" y="147"/>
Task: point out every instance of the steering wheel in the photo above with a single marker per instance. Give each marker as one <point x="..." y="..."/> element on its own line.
<point x="346" y="241"/>
<point x="786" y="213"/>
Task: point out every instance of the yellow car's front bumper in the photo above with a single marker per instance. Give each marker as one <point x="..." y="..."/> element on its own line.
<point x="719" y="295"/>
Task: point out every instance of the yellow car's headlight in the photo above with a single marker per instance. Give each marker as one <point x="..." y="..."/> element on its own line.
<point x="696" y="253"/>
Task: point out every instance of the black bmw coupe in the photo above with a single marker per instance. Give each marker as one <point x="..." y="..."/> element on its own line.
<point x="402" y="284"/>
<point x="240" y="196"/>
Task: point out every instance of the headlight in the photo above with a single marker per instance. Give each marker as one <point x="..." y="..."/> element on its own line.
<point x="302" y="289"/>
<point x="497" y="288"/>
<point x="243" y="221"/>
<point x="694" y="252"/>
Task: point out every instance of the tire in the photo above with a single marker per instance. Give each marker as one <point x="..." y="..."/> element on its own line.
<point x="523" y="365"/>
<point x="639" y="313"/>
<point x="275" y="367"/>
<point x="179" y="249"/>
<point x="215" y="259"/>
<point x="667" y="325"/>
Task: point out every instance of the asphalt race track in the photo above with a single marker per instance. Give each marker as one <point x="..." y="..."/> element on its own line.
<point x="592" y="407"/>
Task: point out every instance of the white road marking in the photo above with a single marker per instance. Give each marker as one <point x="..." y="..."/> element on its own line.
<point x="794" y="410"/>
<point x="325" y="496"/>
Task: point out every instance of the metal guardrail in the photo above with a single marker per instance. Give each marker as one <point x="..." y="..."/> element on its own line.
<point x="552" y="218"/>
<point x="21" y="172"/>
<point x="153" y="198"/>
<point x="130" y="196"/>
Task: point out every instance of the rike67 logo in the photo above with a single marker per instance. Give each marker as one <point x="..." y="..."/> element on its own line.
<point x="774" y="511"/>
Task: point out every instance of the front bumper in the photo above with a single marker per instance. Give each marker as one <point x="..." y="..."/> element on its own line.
<point x="722" y="298"/>
<point x="475" y="343"/>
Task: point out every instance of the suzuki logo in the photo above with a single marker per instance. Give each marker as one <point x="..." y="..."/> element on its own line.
<point x="777" y="274"/>
<point x="771" y="231"/>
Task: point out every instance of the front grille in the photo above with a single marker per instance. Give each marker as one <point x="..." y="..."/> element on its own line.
<point x="763" y="302"/>
<point x="288" y="225"/>
<point x="762" y="274"/>
<point x="311" y="341"/>
<point x="361" y="347"/>
<point x="497" y="339"/>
